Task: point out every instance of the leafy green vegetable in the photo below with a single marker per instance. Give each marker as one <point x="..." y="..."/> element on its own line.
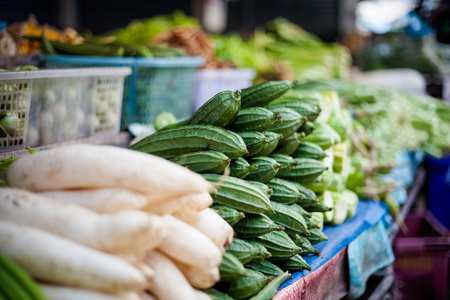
<point x="5" y="163"/>
<point x="140" y="32"/>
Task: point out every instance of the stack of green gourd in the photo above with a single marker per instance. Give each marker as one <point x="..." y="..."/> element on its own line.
<point x="275" y="142"/>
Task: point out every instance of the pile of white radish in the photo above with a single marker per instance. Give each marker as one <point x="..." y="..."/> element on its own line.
<point x="100" y="222"/>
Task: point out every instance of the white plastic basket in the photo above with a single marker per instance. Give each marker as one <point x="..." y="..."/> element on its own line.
<point x="14" y="106"/>
<point x="67" y="104"/>
<point x="210" y="82"/>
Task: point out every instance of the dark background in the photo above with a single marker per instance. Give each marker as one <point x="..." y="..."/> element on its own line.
<point x="317" y="16"/>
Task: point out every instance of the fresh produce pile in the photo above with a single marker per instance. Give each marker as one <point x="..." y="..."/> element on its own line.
<point x="104" y="47"/>
<point x="192" y="41"/>
<point x="101" y="222"/>
<point x="280" y="51"/>
<point x="31" y="27"/>
<point x="284" y="51"/>
<point x="387" y="121"/>
<point x="287" y="175"/>
<point x="140" y="32"/>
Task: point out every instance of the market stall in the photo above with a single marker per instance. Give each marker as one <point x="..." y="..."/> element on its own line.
<point x="173" y="164"/>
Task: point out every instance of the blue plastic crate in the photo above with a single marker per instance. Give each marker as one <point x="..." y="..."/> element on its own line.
<point x="155" y="85"/>
<point x="438" y="177"/>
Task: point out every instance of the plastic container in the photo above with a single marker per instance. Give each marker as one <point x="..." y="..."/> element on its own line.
<point x="15" y="95"/>
<point x="438" y="179"/>
<point x="422" y="258"/>
<point x="9" y="62"/>
<point x="61" y="105"/>
<point x="156" y="84"/>
<point x="210" y="82"/>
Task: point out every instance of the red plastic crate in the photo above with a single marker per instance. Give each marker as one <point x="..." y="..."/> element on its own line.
<point x="422" y="258"/>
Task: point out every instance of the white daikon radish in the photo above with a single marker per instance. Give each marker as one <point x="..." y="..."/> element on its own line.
<point x="135" y="258"/>
<point x="170" y="283"/>
<point x="200" y="201"/>
<point x="200" y="278"/>
<point x="54" y="259"/>
<point x="100" y="200"/>
<point x="189" y="245"/>
<point x="210" y="224"/>
<point x="187" y="215"/>
<point x="130" y="295"/>
<point x="138" y="259"/>
<point x="147" y="296"/>
<point x="58" y="292"/>
<point x="85" y="166"/>
<point x="130" y="230"/>
<point x="217" y="229"/>
<point x="166" y="207"/>
<point x="202" y="295"/>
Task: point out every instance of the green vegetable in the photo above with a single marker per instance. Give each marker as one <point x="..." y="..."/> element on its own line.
<point x="309" y="150"/>
<point x="231" y="267"/>
<point x="263" y="187"/>
<point x="261" y="94"/>
<point x="306" y="171"/>
<point x="191" y="138"/>
<point x="253" y="119"/>
<point x="294" y="263"/>
<point x="240" y="195"/>
<point x="255" y="225"/>
<point x="254" y="142"/>
<point x="265" y="267"/>
<point x="245" y="287"/>
<point x="270" y="290"/>
<point x="140" y="32"/>
<point x="5" y="163"/>
<point x="305" y="244"/>
<point x="289" y="144"/>
<point x="262" y="253"/>
<point x="288" y="218"/>
<point x="307" y="128"/>
<point x="324" y="136"/>
<point x="230" y="215"/>
<point x="286" y="162"/>
<point x="316" y="236"/>
<point x="164" y="119"/>
<point x="267" y="169"/>
<point x="279" y="244"/>
<point x="242" y="250"/>
<point x="274" y="139"/>
<point x="219" y="111"/>
<point x="216" y="295"/>
<point x="283" y="191"/>
<point x="15" y="283"/>
<point x="309" y="197"/>
<point x="321" y="183"/>
<point x="9" y="124"/>
<point x="290" y="121"/>
<point x="203" y="161"/>
<point x="240" y="168"/>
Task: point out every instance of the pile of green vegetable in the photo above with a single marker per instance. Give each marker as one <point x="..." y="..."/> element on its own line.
<point x="387" y="121"/>
<point x="104" y="47"/>
<point x="284" y="182"/>
<point x="283" y="50"/>
<point x="140" y="32"/>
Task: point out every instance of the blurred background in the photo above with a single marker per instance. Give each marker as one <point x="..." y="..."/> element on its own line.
<point x="379" y="34"/>
<point x="382" y="59"/>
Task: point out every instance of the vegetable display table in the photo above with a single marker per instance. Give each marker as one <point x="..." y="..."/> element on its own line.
<point x="345" y="260"/>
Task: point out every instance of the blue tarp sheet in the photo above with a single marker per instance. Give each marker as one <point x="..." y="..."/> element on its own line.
<point x="363" y="263"/>
<point x="368" y="213"/>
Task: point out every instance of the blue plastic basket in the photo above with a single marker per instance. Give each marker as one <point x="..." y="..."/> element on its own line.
<point x="155" y="85"/>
